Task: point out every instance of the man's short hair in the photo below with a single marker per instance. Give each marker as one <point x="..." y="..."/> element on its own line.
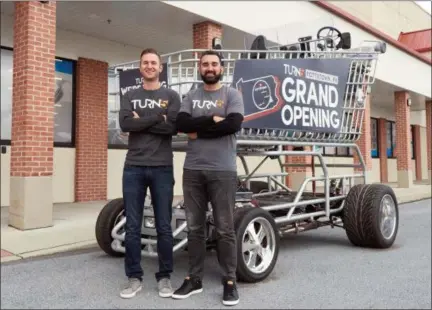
<point x="212" y="52"/>
<point x="150" y="51"/>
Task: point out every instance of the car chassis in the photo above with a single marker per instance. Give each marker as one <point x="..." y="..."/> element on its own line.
<point x="266" y="208"/>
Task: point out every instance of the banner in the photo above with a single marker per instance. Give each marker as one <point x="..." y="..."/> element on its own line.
<point x="128" y="80"/>
<point x="132" y="79"/>
<point x="293" y="94"/>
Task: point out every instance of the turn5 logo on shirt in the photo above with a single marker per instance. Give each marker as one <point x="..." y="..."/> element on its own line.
<point x="149" y="103"/>
<point x="207" y="104"/>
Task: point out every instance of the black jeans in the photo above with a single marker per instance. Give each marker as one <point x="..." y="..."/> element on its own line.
<point x="218" y="187"/>
<point x="160" y="181"/>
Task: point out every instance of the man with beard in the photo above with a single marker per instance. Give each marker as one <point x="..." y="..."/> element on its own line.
<point x="210" y="115"/>
<point x="148" y="113"/>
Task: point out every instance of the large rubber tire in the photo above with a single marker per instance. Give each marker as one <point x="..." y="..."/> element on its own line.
<point x="105" y="224"/>
<point x="362" y="215"/>
<point x="242" y="218"/>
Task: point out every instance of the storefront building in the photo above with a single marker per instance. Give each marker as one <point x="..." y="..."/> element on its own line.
<point x="59" y="133"/>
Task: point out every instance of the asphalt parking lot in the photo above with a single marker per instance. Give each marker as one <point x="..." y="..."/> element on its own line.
<point x="317" y="269"/>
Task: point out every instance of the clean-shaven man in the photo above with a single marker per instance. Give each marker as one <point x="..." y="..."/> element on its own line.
<point x="149" y="114"/>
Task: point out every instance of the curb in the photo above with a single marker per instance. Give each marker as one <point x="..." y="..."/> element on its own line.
<point x="403" y="200"/>
<point x="82" y="245"/>
<point x="10" y="258"/>
<point x="50" y="251"/>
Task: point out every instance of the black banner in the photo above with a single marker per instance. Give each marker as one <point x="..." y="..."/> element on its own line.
<point x="132" y="79"/>
<point x="128" y="80"/>
<point x="293" y="94"/>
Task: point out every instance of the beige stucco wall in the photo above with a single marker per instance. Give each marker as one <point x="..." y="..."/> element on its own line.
<point x="390" y="17"/>
<point x="63" y="184"/>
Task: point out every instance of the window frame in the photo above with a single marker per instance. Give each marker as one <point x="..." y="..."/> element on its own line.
<point x="392" y="139"/>
<point x="413" y="143"/>
<point x="337" y="153"/>
<point x="111" y="146"/>
<point x="374" y="119"/>
<point x="72" y="143"/>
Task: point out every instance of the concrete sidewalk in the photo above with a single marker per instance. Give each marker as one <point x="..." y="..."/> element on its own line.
<point x="74" y="227"/>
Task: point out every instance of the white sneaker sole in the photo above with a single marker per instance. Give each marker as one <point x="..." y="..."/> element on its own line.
<point x="165" y="295"/>
<point x="188" y="295"/>
<point x="126" y="296"/>
<point x="230" y="303"/>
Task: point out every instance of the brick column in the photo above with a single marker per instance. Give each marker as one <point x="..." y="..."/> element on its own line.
<point x="382" y="149"/>
<point x="417" y="152"/>
<point x="297" y="174"/>
<point x="91" y="130"/>
<point x="32" y="137"/>
<point x="429" y="137"/>
<point x="403" y="139"/>
<point x="204" y="32"/>
<point x="365" y="144"/>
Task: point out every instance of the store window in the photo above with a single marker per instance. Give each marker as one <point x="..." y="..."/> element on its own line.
<point x="64" y="99"/>
<point x="391" y="139"/>
<point x="412" y="142"/>
<point x="374" y="138"/>
<point x="6" y="93"/>
<point x="116" y="138"/>
<point x="342" y="151"/>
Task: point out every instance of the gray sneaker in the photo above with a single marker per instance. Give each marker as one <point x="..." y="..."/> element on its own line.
<point x="165" y="288"/>
<point x="134" y="286"/>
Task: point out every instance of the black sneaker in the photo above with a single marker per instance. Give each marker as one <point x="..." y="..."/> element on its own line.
<point x="189" y="287"/>
<point x="230" y="294"/>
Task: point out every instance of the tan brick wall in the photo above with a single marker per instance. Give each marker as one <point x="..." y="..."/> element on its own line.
<point x="365" y="141"/>
<point x="32" y="135"/>
<point x="91" y="130"/>
<point x="403" y="131"/>
<point x="382" y="149"/>
<point x="429" y="133"/>
<point x="204" y="32"/>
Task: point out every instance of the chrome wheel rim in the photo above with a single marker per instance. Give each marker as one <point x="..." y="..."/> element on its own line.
<point x="258" y="245"/>
<point x="119" y="217"/>
<point x="387" y="217"/>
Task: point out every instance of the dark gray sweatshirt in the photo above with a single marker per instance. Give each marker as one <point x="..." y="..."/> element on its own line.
<point x="150" y="135"/>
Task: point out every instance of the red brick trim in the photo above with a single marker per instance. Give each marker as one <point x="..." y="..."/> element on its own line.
<point x="368" y="28"/>
<point x="32" y="135"/>
<point x="365" y="141"/>
<point x="91" y="142"/>
<point x="204" y="32"/>
<point x="403" y="131"/>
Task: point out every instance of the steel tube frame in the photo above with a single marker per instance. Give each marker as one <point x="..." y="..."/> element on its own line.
<point x="249" y="145"/>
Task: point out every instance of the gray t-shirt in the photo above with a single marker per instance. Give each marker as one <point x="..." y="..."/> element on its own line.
<point x="150" y="136"/>
<point x="217" y="153"/>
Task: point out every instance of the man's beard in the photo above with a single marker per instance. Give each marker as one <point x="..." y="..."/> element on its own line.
<point x="211" y="79"/>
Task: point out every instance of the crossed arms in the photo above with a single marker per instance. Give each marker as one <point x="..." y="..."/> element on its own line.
<point x="208" y="127"/>
<point x="159" y="124"/>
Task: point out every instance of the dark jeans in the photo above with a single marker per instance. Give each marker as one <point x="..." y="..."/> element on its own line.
<point x="160" y="181"/>
<point x="218" y="187"/>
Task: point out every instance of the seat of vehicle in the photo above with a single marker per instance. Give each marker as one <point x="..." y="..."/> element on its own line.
<point x="258" y="44"/>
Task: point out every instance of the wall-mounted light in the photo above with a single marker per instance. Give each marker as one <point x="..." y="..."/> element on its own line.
<point x="409" y="102"/>
<point x="216" y="43"/>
